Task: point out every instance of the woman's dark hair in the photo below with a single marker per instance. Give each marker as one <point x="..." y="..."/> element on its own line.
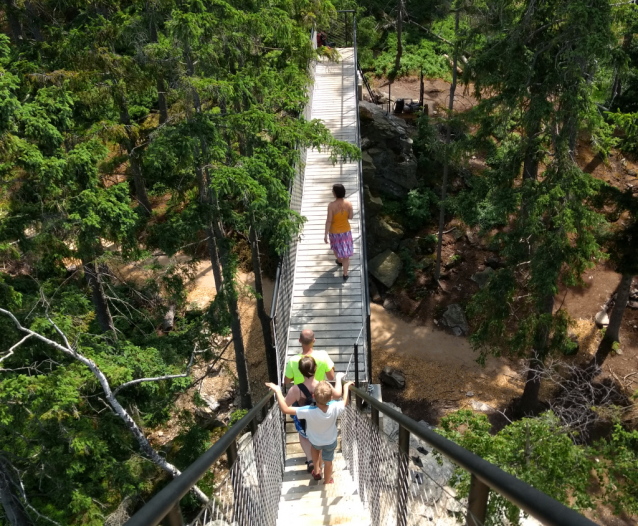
<point x="307" y="366"/>
<point x="339" y="190"/>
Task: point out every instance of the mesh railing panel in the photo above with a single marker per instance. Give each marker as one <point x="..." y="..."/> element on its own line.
<point x="394" y="490"/>
<point x="249" y="494"/>
<point x="287" y="273"/>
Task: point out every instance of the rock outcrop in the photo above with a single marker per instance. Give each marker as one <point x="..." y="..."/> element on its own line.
<point x="380" y="235"/>
<point x="392" y="378"/>
<point x="386" y="267"/>
<point x="482" y="278"/>
<point x="454" y="318"/>
<point x="389" y="164"/>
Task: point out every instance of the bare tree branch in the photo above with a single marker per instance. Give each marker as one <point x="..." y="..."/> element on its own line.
<point x="134" y="429"/>
<point x="158" y="378"/>
<point x="14" y="347"/>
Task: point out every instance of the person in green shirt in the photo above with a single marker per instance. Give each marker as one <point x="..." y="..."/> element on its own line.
<point x="325" y="366"/>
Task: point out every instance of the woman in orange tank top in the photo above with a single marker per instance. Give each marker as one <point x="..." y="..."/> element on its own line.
<point x="338" y="228"/>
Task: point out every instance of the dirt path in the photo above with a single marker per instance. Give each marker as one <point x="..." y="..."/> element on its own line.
<point x="440" y="369"/>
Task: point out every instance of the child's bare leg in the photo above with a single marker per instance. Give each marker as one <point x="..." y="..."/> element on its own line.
<point x="307" y="448"/>
<point x="316" y="459"/>
<point x="336" y="257"/>
<point x="328" y="471"/>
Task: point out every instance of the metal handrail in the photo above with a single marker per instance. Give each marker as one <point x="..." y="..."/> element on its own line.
<point x="538" y="504"/>
<point x="168" y="498"/>
<point x="373" y="98"/>
<point x="364" y="250"/>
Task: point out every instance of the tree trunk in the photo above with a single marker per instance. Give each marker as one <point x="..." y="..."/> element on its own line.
<point x="14" y="20"/>
<point x="448" y="136"/>
<point x="530" y="164"/>
<point x="230" y="295"/>
<point x="203" y="182"/>
<point x="32" y="22"/>
<point x="138" y="181"/>
<point x="271" y="356"/>
<point x="397" y="58"/>
<point x="529" y="399"/>
<point x="9" y="498"/>
<point x="129" y="144"/>
<point x="161" y="84"/>
<point x="161" y="99"/>
<point x="612" y="334"/>
<point x="103" y="314"/>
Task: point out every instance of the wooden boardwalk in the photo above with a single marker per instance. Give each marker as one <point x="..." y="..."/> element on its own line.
<point x="334" y="310"/>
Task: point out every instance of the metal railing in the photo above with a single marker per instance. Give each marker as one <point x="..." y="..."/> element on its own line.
<point x="396" y="492"/>
<point x="248" y="494"/>
<point x="373" y="97"/>
<point x="284" y="280"/>
<point x="364" y="252"/>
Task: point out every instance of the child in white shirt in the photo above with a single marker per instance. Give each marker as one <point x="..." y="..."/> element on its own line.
<point x="321" y="423"/>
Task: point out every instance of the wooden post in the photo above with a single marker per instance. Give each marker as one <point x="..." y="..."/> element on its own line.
<point x="231" y="454"/>
<point x="174" y="517"/>
<point x="477" y="502"/>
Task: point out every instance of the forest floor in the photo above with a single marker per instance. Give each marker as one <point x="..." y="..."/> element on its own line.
<point x="440" y="369"/>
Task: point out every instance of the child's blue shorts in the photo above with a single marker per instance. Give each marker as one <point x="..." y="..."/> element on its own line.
<point x="327" y="452"/>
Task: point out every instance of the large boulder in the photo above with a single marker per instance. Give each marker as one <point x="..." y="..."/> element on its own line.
<point x="454" y="318"/>
<point x="373" y="205"/>
<point x="390" y="165"/>
<point x="392" y="378"/>
<point x="380" y="235"/>
<point x="482" y="278"/>
<point x="385" y="267"/>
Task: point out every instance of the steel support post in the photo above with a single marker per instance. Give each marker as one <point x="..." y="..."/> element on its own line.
<point x="402" y="476"/>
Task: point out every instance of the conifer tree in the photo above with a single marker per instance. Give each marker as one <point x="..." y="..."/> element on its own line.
<point x="538" y="74"/>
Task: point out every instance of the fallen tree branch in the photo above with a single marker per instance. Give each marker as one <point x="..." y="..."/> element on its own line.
<point x="117" y="408"/>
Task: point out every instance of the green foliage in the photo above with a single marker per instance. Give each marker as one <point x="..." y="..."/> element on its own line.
<point x="628" y="124"/>
<point x="536" y="450"/>
<point x="236" y="416"/>
<point x="617" y="469"/>
<point x="419" y="206"/>
<point x="419" y="54"/>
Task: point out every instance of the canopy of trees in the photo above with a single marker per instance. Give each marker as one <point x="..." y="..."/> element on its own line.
<point x="130" y="128"/>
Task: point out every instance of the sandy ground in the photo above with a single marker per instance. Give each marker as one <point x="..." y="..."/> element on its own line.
<point x="436" y="92"/>
<point x="440" y="368"/>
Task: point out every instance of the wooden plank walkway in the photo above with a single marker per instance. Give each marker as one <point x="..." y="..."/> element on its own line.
<point x="322" y="302"/>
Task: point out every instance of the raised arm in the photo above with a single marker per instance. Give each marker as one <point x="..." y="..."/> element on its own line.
<point x="337" y="390"/>
<point x="280" y="399"/>
<point x="328" y="223"/>
<point x="346" y="393"/>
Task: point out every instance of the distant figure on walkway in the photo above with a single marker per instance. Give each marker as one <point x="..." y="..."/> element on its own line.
<point x="321" y="424"/>
<point x="302" y="395"/>
<point x="325" y="366"/>
<point x="338" y="228"/>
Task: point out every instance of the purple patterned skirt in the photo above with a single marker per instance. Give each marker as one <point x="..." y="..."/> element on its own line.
<point x="342" y="244"/>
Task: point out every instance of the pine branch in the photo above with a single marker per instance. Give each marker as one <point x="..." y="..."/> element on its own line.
<point x="158" y="378"/>
<point x="117" y="408"/>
